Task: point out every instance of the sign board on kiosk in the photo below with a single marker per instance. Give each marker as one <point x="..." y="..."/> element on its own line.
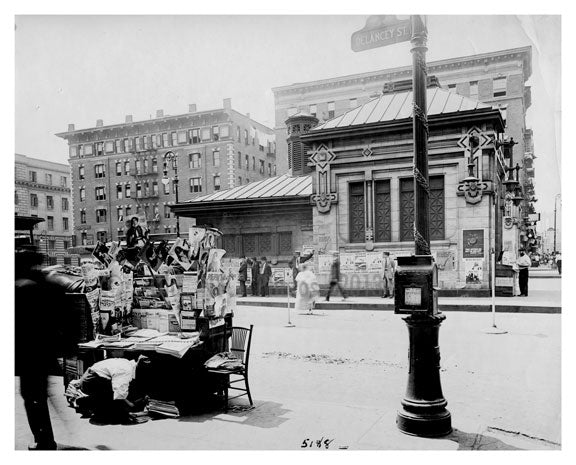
<point x="416" y="285"/>
<point x="380" y="31"/>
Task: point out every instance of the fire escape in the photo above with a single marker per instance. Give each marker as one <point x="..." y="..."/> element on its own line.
<point x="147" y="184"/>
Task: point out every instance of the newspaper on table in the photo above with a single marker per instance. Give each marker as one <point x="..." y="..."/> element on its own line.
<point x="190" y="282"/>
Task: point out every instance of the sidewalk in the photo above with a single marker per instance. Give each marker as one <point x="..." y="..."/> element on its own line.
<point x="341" y="376"/>
<point x="544" y="297"/>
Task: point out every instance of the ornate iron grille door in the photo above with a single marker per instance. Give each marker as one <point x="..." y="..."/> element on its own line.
<point x="407" y="209"/>
<point x="357" y="216"/>
<point x="437" y="218"/>
<point x="382" y="211"/>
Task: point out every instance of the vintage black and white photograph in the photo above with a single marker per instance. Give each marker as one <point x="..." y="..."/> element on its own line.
<point x="363" y="213"/>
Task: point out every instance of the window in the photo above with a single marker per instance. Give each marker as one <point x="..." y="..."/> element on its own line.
<point x="50" y="223"/>
<point x="51" y="246"/>
<point x="73" y="151"/>
<point x="382" y="211"/>
<point x="138" y="165"/>
<point x="120" y="214"/>
<point x="246" y="137"/>
<point x="474" y="89"/>
<point x="16" y="198"/>
<point x="182" y="137"/>
<point x="166" y="211"/>
<point x="407" y="209"/>
<point x="63" y="181"/>
<point x="274" y="170"/>
<point x="146" y="189"/>
<point x="216" y="158"/>
<point x="205" y="134"/>
<point x="269" y="169"/>
<point x="126" y="167"/>
<point x="34" y="200"/>
<point x="88" y="149"/>
<point x="174" y="139"/>
<point x="165" y="142"/>
<point x="128" y="212"/>
<point x="154" y="165"/>
<point x="138" y="190"/>
<point x="100" y="193"/>
<point x="138" y="209"/>
<point x="119" y="192"/>
<point x="49" y="202"/>
<point x="239" y="180"/>
<point x="145" y="164"/>
<point x="127" y="191"/>
<point x="82" y="194"/>
<point x="127" y="145"/>
<point x="239" y="160"/>
<point x="101" y="215"/>
<point x="157" y="141"/>
<point x="155" y="188"/>
<point x="500" y="87"/>
<point x="225" y="132"/>
<point x="238" y="133"/>
<point x="65" y="205"/>
<point x="215" y="133"/>
<point x="118" y="143"/>
<point x="451" y="87"/>
<point x="216" y="183"/>
<point x="32" y="176"/>
<point x="99" y="171"/>
<point x="99" y="148"/>
<point x="156" y="212"/>
<point x="118" y="168"/>
<point x="146" y="140"/>
<point x="353" y="102"/>
<point x="253" y="163"/>
<point x="166" y="188"/>
<point x="65" y="245"/>
<point x="102" y="236"/>
<point x="356" y="201"/>
<point x="48" y="179"/>
<point x="313" y="109"/>
<point x="285" y="243"/>
<point x="194" y="136"/>
<point x="195" y="160"/>
<point x="82" y="216"/>
<point x="261" y="166"/>
<point x="292" y="111"/>
<point x="195" y="184"/>
<point x="81" y="172"/>
<point x="331" y="109"/>
<point x="65" y="224"/>
<point x="138" y="144"/>
<point x="84" y="238"/>
<point x="247" y="162"/>
<point x="109" y="146"/>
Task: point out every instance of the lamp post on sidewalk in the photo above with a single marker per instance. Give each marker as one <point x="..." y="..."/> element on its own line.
<point x="172" y="157"/>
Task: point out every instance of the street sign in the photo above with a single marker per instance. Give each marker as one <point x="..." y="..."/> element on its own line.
<point x="381" y="31"/>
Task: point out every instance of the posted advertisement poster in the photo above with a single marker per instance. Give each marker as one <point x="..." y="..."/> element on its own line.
<point x="278" y="276"/>
<point x="474" y="269"/>
<point x="473" y="243"/>
<point x="307" y="249"/>
<point x="360" y="262"/>
<point x="190" y="282"/>
<point x="288" y="275"/>
<point x="374" y="262"/>
<point x="324" y="263"/>
<point x="445" y="260"/>
<point x="347" y="262"/>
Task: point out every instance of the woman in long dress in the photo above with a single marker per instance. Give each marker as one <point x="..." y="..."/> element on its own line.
<point x="307" y="289"/>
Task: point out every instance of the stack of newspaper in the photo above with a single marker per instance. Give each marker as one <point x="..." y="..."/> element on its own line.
<point x="163" y="407"/>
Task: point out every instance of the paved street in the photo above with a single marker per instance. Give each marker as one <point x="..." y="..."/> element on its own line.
<point x="341" y="376"/>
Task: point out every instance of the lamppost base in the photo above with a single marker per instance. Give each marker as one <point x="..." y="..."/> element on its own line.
<point x="426" y="425"/>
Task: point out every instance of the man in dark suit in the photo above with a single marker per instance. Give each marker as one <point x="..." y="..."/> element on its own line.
<point x="255" y="268"/>
<point x="243" y="275"/>
<point x="264" y="277"/>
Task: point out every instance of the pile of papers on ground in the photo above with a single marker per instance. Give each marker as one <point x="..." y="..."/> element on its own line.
<point x="164" y="408"/>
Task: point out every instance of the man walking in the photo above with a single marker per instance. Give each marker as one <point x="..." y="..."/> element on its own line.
<point x="388" y="270"/>
<point x="243" y="275"/>
<point x="335" y="277"/>
<point x="524" y="263"/>
<point x="264" y="277"/>
<point x="559" y="262"/>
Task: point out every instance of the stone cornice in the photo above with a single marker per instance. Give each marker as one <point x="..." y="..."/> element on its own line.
<point x="35" y="185"/>
<point x="523" y="53"/>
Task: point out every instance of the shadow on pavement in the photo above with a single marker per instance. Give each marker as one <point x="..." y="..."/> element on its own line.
<point x="477" y="441"/>
<point x="67" y="447"/>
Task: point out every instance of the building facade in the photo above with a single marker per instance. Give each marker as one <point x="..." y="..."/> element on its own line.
<point x="118" y="170"/>
<point x="42" y="189"/>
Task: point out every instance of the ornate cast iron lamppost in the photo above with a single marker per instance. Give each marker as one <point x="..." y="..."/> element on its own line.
<point x="172" y="157"/>
<point x="423" y="410"/>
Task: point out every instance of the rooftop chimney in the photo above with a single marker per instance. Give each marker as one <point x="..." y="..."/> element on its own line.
<point x="228" y="104"/>
<point x="99" y="123"/>
<point x="192" y="108"/>
<point x="70" y="127"/>
<point x="159" y="113"/>
<point x="128" y="118"/>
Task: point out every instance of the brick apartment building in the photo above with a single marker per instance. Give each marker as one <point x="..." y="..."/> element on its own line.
<point x="42" y="189"/>
<point x="117" y="170"/>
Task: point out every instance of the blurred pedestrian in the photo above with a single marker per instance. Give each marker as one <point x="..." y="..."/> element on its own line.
<point x="243" y="275"/>
<point x="306" y="290"/>
<point x="38" y="306"/>
<point x="559" y="262"/>
<point x="264" y="274"/>
<point x="255" y="271"/>
<point x="388" y="270"/>
<point x="295" y="263"/>
<point x="524" y="264"/>
<point x="335" y="277"/>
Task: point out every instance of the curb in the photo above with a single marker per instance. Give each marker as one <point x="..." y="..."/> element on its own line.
<point x="390" y="307"/>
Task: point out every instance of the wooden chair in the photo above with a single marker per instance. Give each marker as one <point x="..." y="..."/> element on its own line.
<point x="240" y="341"/>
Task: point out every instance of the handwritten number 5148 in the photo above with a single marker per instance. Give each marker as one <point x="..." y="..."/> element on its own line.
<point x="319" y="443"/>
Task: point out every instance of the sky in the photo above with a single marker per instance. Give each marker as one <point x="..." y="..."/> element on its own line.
<point x="77" y="69"/>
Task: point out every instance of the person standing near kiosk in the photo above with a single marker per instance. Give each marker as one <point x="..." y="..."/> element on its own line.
<point x="524" y="263"/>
